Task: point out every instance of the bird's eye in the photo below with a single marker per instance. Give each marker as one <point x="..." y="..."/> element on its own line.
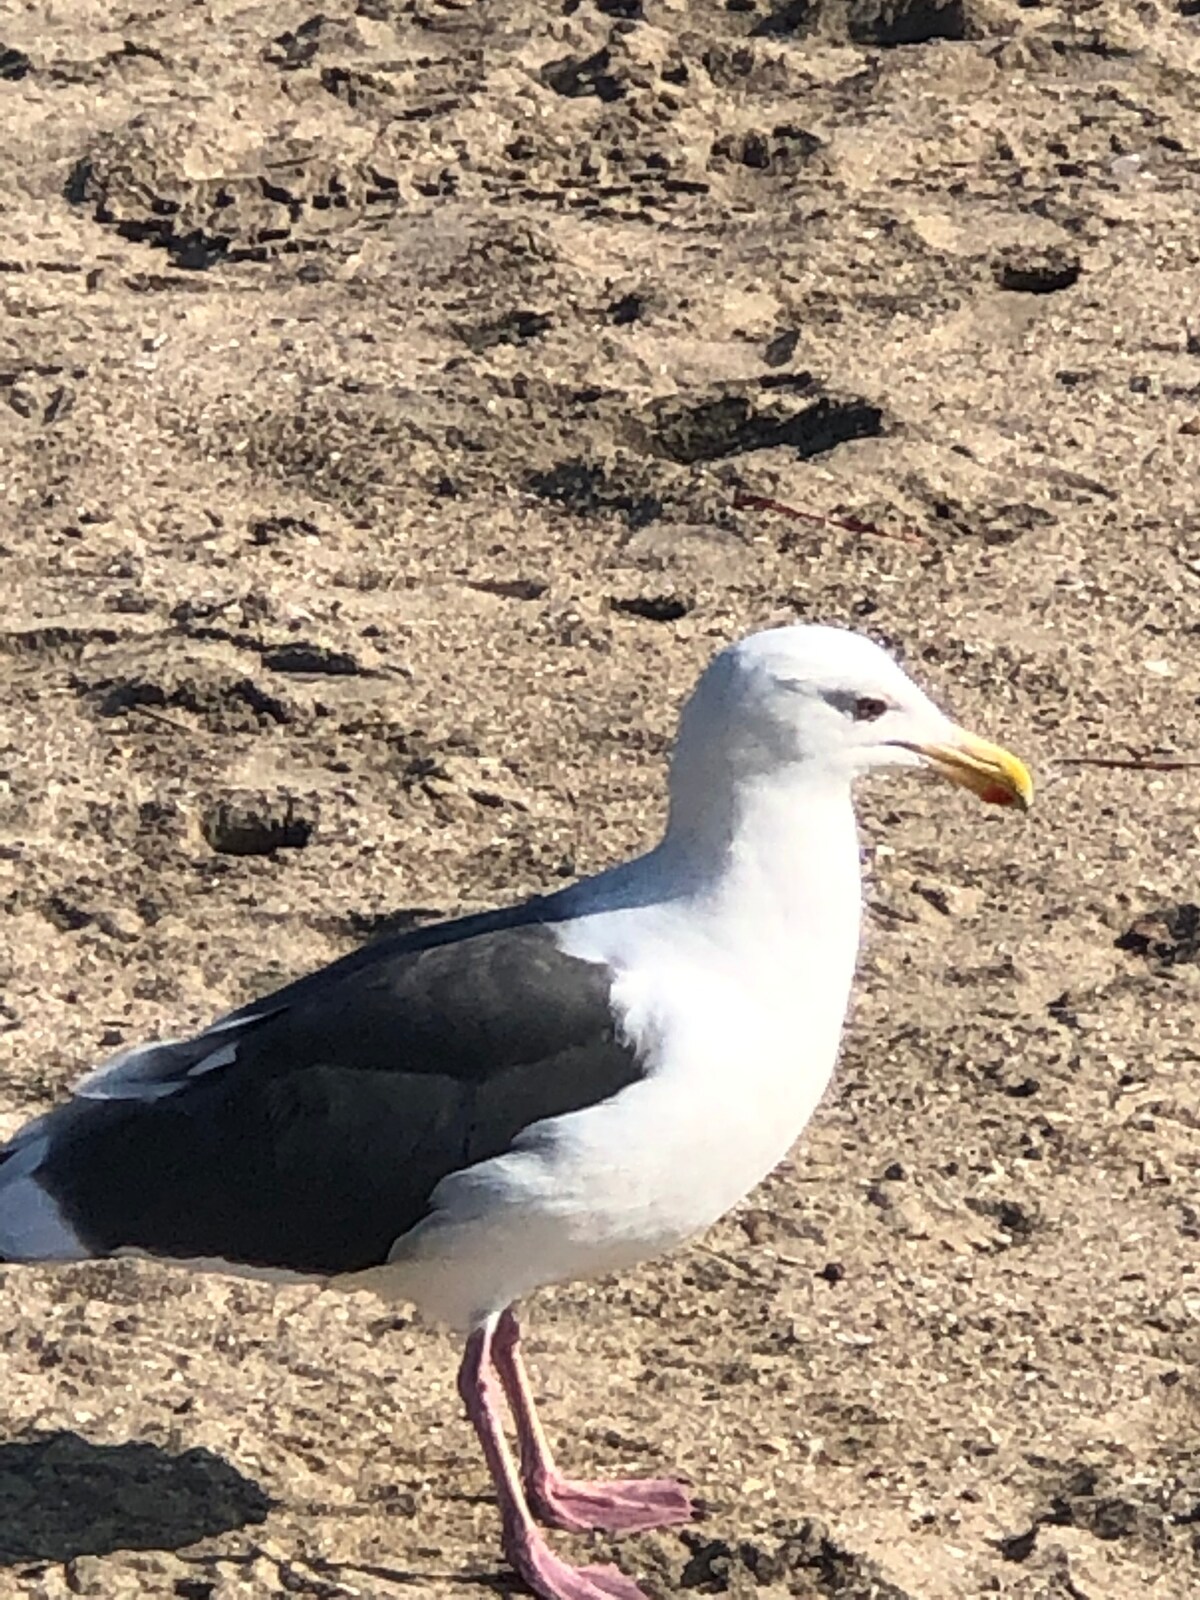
<point x="866" y="709"/>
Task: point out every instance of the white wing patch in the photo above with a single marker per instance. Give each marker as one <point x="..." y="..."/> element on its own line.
<point x="154" y="1071"/>
<point x="143" y="1073"/>
<point x="224" y="1057"/>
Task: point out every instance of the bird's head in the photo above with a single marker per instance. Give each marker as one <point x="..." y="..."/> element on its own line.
<point x="837" y="703"/>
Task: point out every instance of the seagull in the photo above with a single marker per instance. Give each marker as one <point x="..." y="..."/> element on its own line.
<point x="471" y="1111"/>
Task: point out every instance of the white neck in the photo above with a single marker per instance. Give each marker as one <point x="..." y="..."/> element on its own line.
<point x="779" y="849"/>
<point x="763" y="859"/>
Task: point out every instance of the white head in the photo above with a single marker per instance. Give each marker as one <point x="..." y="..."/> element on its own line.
<point x="825" y="705"/>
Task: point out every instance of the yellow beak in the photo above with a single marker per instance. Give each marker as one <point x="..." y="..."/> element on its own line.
<point x="986" y="769"/>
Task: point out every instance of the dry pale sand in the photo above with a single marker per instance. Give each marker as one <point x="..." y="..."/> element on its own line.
<point x="380" y="393"/>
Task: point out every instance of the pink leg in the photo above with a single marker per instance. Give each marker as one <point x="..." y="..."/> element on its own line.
<point x="628" y="1506"/>
<point x="524" y="1544"/>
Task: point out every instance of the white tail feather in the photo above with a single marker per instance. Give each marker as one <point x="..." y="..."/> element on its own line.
<point x="32" y="1228"/>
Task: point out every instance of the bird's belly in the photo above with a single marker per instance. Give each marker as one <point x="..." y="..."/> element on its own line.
<point x="655" y="1168"/>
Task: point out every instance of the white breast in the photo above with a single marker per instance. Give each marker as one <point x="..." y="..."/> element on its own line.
<point x="740" y="1040"/>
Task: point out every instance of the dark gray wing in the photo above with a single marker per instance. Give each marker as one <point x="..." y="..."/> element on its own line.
<point x="307" y="1131"/>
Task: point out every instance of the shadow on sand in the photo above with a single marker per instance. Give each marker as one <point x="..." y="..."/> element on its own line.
<point x="62" y="1497"/>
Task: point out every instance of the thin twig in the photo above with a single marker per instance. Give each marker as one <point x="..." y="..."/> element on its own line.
<point x="170" y="722"/>
<point x="1133" y="763"/>
<point x="760" y="502"/>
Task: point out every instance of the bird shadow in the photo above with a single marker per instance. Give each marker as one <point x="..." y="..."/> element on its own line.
<point x="62" y="1496"/>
